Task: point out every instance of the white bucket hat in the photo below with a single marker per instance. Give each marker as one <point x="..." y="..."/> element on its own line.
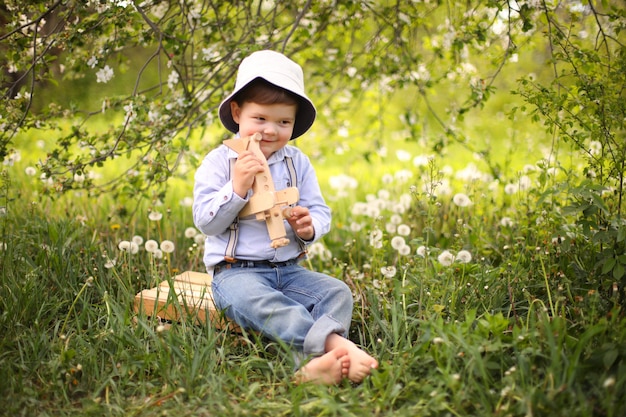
<point x="280" y="71"/>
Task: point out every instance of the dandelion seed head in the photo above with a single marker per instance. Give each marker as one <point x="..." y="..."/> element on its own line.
<point x="461" y="200"/>
<point x="506" y="222"/>
<point x="167" y="246"/>
<point x="190" y="232"/>
<point x="155" y="216"/>
<point x="343" y="182"/>
<point x="124" y="245"/>
<point x="199" y="239"/>
<point x="355" y="227"/>
<point x="389" y="271"/>
<point x="403" y="155"/>
<point x="404" y="230"/>
<point x="510" y="189"/>
<point x="446" y="258"/>
<point x="464" y="256"/>
<point x="134" y="248"/>
<point x="403" y="176"/>
<point x="186" y="202"/>
<point x="318" y="250"/>
<point x="397" y="242"/>
<point x="395" y="219"/>
<point x="405" y="250"/>
<point x="384" y="194"/>
<point x="151" y="245"/>
<point x="525" y="183"/>
<point x="609" y="382"/>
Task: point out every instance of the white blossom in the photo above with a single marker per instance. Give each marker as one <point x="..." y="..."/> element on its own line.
<point x="595" y="148"/>
<point x="93" y="61"/>
<point x="104" y="75"/>
<point x="172" y="79"/>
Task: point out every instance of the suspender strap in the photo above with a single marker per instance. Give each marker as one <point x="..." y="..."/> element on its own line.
<point x="233" y="236"/>
<point x="233" y="229"/>
<point x="293" y="178"/>
<point x="294" y="183"/>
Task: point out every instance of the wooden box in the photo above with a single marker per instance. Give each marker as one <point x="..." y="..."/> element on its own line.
<point x="185" y="295"/>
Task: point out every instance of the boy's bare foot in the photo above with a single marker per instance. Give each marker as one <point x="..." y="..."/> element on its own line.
<point x="361" y="364"/>
<point x="328" y="369"/>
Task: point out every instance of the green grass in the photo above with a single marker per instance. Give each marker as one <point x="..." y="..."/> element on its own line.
<point x="525" y="328"/>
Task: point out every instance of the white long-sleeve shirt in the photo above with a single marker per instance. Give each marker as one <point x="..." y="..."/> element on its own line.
<point x="216" y="206"/>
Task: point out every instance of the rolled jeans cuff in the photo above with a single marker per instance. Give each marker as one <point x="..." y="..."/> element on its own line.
<point x="315" y="339"/>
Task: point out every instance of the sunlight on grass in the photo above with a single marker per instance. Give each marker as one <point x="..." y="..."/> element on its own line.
<point x="462" y="283"/>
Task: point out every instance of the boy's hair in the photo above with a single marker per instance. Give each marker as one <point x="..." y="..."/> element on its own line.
<point x="262" y="92"/>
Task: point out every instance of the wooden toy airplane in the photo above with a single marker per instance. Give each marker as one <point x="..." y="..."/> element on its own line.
<point x="266" y="202"/>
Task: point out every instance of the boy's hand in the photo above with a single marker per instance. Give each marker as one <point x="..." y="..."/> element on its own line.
<point x="302" y="223"/>
<point x="246" y="167"/>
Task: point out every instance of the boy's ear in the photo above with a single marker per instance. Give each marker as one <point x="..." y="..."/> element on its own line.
<point x="235" y="111"/>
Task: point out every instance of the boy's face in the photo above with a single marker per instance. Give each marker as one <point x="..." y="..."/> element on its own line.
<point x="273" y="121"/>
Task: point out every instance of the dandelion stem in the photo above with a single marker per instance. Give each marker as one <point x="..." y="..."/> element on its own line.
<point x="404" y="312"/>
<point x="67" y="317"/>
<point x="545" y="277"/>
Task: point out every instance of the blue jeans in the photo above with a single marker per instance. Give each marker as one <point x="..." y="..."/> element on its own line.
<point x="286" y="302"/>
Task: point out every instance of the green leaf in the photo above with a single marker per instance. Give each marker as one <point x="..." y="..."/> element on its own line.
<point x="609" y="357"/>
<point x="608" y="265"/>
<point x="618" y="271"/>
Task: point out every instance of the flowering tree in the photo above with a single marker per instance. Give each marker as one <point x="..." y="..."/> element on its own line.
<point x="155" y="71"/>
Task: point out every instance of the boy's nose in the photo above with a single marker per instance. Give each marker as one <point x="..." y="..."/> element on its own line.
<point x="270" y="129"/>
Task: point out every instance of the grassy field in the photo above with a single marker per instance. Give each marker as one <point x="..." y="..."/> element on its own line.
<point x="471" y="292"/>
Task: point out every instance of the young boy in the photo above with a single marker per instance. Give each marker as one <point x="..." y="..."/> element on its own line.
<point x="258" y="286"/>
